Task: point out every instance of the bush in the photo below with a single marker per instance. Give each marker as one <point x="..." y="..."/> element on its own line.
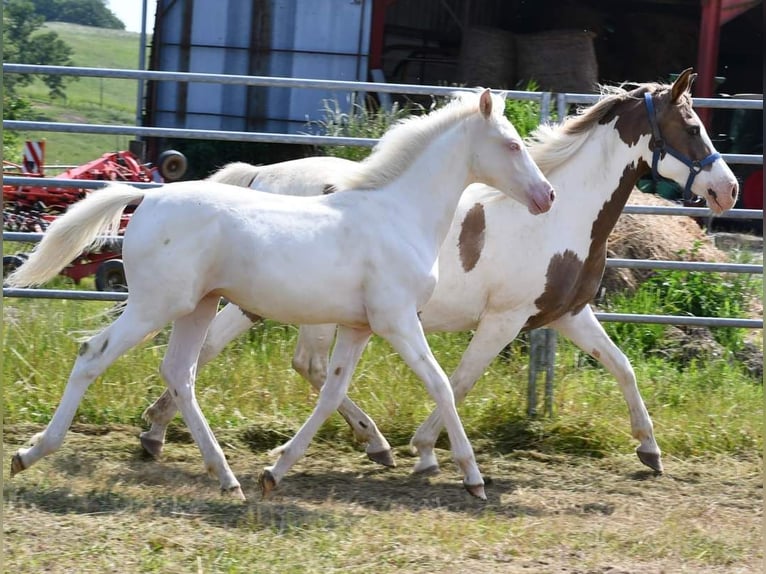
<point x="685" y="293"/>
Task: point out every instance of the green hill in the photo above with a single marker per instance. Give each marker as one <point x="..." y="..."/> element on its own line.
<point x="89" y="100"/>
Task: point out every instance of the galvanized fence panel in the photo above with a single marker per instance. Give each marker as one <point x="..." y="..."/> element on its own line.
<point x="542" y="357"/>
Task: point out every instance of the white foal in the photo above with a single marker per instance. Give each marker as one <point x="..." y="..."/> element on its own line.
<point x="365" y="259"/>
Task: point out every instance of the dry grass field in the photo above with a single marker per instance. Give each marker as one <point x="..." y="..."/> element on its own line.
<point x="99" y="505"/>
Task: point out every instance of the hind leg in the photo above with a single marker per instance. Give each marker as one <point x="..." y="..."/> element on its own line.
<point x="95" y="356"/>
<point x="310" y="360"/>
<point x="228" y="324"/>
<point x="179" y="369"/>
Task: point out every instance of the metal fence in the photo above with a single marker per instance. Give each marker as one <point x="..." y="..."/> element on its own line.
<point x="543" y="344"/>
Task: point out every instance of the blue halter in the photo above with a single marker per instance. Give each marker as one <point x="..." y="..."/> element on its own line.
<point x="695" y="166"/>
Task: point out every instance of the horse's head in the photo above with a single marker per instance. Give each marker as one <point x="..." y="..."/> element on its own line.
<point x="501" y="159"/>
<point x="682" y="150"/>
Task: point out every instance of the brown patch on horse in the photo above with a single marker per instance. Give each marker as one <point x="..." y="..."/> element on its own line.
<point x="471" y="239"/>
<point x="631" y="121"/>
<point x="570" y="284"/>
<point x="252" y="316"/>
<point x="561" y="280"/>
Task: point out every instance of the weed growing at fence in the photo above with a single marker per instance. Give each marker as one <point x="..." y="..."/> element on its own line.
<point x="372" y="120"/>
<point x="360" y="121"/>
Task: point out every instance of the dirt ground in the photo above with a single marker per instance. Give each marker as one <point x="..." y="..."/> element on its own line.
<point x="99" y="505"/>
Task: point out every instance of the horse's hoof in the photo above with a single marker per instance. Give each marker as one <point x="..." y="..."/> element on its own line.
<point x="650" y="459"/>
<point x="476" y="490"/>
<point x="267" y="482"/>
<point x="152" y="446"/>
<point x="234" y="492"/>
<point x="17" y="465"/>
<point x="383" y="457"/>
<point x="432" y="470"/>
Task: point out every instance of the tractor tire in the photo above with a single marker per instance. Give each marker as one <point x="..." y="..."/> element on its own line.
<point x="172" y="165"/>
<point x="110" y="276"/>
<point x="11" y="263"/>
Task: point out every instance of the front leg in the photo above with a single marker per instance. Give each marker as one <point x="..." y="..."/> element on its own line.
<point x="585" y="331"/>
<point x="348" y="348"/>
<point x="492" y="334"/>
<point x="405" y="333"/>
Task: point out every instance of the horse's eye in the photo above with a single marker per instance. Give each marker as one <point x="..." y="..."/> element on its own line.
<point x="694" y="130"/>
<point x="514" y="146"/>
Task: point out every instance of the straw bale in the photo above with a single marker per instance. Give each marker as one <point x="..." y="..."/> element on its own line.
<point x="654" y="237"/>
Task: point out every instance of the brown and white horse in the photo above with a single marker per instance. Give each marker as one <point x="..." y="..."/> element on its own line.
<point x="502" y="270"/>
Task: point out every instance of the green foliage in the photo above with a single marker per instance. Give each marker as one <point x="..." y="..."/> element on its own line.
<point x="524" y="114"/>
<point x="372" y="121"/>
<point x="14" y="108"/>
<point x="23" y="43"/>
<point x="685" y="293"/>
<point x="84" y="12"/>
<point x="89" y="100"/>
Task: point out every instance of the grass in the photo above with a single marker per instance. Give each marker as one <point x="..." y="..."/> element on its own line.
<point x="709" y="407"/>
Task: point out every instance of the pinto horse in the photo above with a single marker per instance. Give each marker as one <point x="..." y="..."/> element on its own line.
<point x="547" y="279"/>
<point x="365" y="259"/>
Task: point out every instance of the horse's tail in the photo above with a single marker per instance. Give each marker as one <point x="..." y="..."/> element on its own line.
<point x="83" y="226"/>
<point x="236" y="173"/>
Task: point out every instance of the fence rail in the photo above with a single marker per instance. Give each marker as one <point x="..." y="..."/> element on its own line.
<point x="562" y="101"/>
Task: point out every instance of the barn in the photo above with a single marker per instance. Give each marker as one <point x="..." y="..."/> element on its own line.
<point x="561" y="45"/>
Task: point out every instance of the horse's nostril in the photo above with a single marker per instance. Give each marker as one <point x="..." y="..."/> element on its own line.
<point x="734" y="189"/>
<point x="552" y="194"/>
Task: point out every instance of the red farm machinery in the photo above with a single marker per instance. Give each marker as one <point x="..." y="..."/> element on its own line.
<point x="31" y="207"/>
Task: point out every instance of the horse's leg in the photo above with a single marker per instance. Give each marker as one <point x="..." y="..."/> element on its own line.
<point x="179" y="369"/>
<point x="586" y="332"/>
<point x="95" y="355"/>
<point x="228" y="324"/>
<point x="492" y="334"/>
<point x="407" y="338"/>
<point x="348" y="348"/>
<point x="310" y="360"/>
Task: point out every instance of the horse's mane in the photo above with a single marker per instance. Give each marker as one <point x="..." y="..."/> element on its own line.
<point x="552" y="144"/>
<point x="401" y="145"/>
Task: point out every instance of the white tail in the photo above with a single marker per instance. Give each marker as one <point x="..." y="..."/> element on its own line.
<point x="81" y="227"/>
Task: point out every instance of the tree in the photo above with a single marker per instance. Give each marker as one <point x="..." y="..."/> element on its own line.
<point x="23" y="44"/>
<point x="84" y="12"/>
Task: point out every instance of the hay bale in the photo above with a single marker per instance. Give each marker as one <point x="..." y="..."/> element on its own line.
<point x="558" y="60"/>
<point x="487" y="57"/>
<point x="654" y="237"/>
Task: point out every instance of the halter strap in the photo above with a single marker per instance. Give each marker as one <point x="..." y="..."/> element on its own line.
<point x="660" y="147"/>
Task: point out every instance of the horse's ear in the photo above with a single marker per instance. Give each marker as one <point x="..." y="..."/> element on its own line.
<point x="485" y="103"/>
<point x="683" y="84"/>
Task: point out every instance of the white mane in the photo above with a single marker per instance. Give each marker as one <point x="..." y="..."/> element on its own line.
<point x="405" y="141"/>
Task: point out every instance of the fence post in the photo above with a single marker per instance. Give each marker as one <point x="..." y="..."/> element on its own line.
<point x="542" y="356"/>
